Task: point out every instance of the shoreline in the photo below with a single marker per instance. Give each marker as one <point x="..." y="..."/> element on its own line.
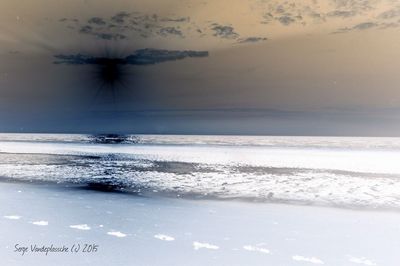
<point x="189" y="197"/>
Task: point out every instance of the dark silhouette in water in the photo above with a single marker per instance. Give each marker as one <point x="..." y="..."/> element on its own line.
<point x="113" y="139"/>
<point x="104" y="186"/>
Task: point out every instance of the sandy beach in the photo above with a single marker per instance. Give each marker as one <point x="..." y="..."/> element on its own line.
<point x="129" y="229"/>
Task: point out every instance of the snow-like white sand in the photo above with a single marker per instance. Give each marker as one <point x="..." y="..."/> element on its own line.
<point x="128" y="230"/>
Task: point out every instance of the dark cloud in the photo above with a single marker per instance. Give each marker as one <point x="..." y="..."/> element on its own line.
<point x="365" y="25"/>
<point x="154" y="56"/>
<point x="389" y="25"/>
<point x="290" y="12"/>
<point x="147" y="25"/>
<point x="86" y="29"/>
<point x="316" y="15"/>
<point x="182" y="19"/>
<point x="120" y="17"/>
<point x="112" y="73"/>
<point x="97" y="21"/>
<point x="342" y="30"/>
<point x="139" y="57"/>
<point x="300" y="12"/>
<point x="286" y="20"/>
<point x="101" y="35"/>
<point x="389" y="14"/>
<point x="69" y="20"/>
<point x="361" y="26"/>
<point x="110" y="36"/>
<point x="357" y="6"/>
<point x="122" y="23"/>
<point x="280" y="9"/>
<point x="170" y="31"/>
<point x="268" y="17"/>
<point x="341" y="13"/>
<point x="223" y="31"/>
<point x="252" y="40"/>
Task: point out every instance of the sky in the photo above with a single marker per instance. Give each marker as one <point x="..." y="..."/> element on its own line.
<point x="305" y="67"/>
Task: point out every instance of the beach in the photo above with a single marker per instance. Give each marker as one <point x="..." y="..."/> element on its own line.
<point x="137" y="230"/>
<point x="198" y="200"/>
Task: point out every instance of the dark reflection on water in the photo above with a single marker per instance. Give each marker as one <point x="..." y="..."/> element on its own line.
<point x="113" y="139"/>
<point x="104" y="185"/>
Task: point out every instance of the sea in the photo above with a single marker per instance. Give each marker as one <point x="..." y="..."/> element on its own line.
<point x="344" y="172"/>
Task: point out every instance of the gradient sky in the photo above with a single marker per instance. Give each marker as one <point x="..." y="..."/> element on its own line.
<point x="307" y="67"/>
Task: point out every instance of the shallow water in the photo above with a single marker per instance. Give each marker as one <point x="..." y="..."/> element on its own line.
<point x="331" y="171"/>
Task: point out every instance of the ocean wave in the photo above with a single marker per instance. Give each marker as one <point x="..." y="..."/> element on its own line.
<point x="122" y="173"/>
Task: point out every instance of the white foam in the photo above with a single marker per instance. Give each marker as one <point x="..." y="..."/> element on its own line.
<point x="374" y="161"/>
<point x="116" y="233"/>
<point x="256" y="248"/>
<point x="199" y="245"/>
<point x="362" y="260"/>
<point x="40" y="223"/>
<point x="164" y="237"/>
<point x="12" y="217"/>
<point x="80" y="227"/>
<point x="313" y="260"/>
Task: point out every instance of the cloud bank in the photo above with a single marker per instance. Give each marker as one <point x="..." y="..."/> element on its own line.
<point x="139" y="57"/>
